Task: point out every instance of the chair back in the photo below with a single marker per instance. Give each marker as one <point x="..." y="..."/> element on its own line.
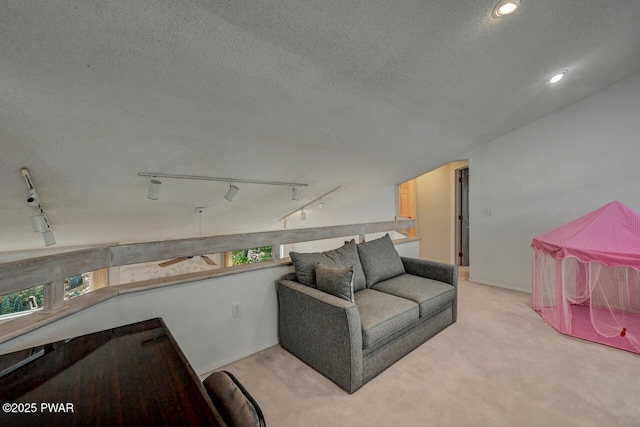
<point x="237" y="407"/>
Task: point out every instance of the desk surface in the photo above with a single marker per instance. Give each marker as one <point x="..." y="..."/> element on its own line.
<point x="134" y="374"/>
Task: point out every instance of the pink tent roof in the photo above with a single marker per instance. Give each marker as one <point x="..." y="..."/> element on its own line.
<point x="609" y="235"/>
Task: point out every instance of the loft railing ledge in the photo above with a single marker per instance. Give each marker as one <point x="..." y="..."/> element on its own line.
<point x="23" y="274"/>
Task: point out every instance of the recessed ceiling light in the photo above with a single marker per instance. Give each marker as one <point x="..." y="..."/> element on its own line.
<point x="506" y="7"/>
<point x="557" y="77"/>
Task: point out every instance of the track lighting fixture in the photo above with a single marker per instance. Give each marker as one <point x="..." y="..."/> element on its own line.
<point x="154" y="189"/>
<point x="32" y="199"/>
<point x="39" y="223"/>
<point x="154" y="185"/>
<point x="231" y="192"/>
<point x="48" y="238"/>
<point x="296" y="193"/>
<point x="303" y="214"/>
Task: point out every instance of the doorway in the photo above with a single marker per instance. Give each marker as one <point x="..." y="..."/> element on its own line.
<point x="437" y="201"/>
<point x="462" y="212"/>
<point x="407" y="203"/>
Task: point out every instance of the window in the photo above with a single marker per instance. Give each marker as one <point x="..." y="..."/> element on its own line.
<point x="76" y="285"/>
<point x="32" y="298"/>
<point x="22" y="300"/>
<point x="248" y="256"/>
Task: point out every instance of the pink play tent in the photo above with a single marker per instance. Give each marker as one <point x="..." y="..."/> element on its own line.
<point x="586" y="277"/>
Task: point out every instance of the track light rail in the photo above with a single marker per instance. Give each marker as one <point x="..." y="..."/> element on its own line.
<point x="300" y="209"/>
<point x="223" y="179"/>
<point x="41" y="223"/>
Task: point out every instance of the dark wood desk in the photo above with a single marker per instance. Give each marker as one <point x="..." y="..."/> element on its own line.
<point x="131" y="375"/>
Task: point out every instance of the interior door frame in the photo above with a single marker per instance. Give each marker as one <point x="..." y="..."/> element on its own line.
<point x="462" y="218"/>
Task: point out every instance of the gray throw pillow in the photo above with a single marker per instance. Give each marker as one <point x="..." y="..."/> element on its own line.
<point x="344" y="256"/>
<point x="336" y="281"/>
<point x="380" y="260"/>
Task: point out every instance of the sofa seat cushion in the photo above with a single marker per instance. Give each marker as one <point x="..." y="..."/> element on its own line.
<point x="431" y="295"/>
<point x="382" y="315"/>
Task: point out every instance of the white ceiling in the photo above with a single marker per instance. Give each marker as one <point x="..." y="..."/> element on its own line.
<point x="356" y="93"/>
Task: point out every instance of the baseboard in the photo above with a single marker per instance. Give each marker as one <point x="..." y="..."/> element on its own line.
<point x="220" y="363"/>
<point x="502" y="286"/>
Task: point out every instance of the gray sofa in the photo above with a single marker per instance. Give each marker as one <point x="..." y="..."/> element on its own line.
<point x="395" y="304"/>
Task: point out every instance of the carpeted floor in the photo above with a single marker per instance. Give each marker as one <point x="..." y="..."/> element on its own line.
<point x="499" y="365"/>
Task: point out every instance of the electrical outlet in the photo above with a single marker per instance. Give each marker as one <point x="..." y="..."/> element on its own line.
<point x="235" y="309"/>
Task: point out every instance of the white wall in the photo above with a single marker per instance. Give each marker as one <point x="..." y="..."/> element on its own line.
<point x="329" y="244"/>
<point x="410" y="249"/>
<point x="436" y="209"/>
<point x="432" y="206"/>
<point x="548" y="173"/>
<point x="198" y="315"/>
<point x="371" y="205"/>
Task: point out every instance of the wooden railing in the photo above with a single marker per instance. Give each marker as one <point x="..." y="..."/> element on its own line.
<point x="51" y="270"/>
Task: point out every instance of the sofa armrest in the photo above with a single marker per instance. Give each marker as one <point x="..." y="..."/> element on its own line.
<point x="323" y="331"/>
<point x="447" y="273"/>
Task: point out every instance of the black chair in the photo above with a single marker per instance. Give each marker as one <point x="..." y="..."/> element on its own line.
<point x="237" y="407"/>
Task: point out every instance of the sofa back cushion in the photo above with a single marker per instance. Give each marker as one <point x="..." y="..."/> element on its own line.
<point x="337" y="281"/>
<point x="380" y="260"/>
<point x="345" y="256"/>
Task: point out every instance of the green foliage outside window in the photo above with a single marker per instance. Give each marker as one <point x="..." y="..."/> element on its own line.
<point x="76" y="285"/>
<point x="19" y="301"/>
<point x="249" y="256"/>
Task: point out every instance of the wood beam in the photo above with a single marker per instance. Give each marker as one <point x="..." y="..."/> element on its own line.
<point x="146" y="252"/>
<point x="23" y="274"/>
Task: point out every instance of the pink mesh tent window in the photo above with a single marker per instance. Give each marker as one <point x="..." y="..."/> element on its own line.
<point x="586" y="277"/>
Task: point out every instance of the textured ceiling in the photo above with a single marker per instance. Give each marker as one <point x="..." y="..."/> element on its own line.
<point x="363" y="94"/>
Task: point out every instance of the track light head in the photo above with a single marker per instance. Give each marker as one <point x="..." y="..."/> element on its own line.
<point x="39" y="224"/>
<point x="32" y="199"/>
<point x="154" y="189"/>
<point x="48" y="238"/>
<point x="303" y="215"/>
<point x="231" y="192"/>
<point x="296" y="193"/>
